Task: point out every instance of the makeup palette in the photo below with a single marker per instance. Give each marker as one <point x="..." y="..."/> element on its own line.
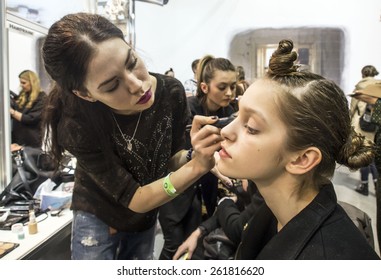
<point x="6" y="247"/>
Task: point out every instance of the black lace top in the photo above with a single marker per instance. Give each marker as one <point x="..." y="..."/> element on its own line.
<point x="105" y="187"/>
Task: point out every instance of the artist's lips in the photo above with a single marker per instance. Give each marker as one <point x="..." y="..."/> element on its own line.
<point x="147" y="96"/>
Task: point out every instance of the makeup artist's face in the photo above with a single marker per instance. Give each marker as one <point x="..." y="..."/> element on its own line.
<point x="118" y="78"/>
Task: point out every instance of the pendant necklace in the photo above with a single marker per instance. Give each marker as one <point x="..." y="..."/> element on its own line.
<point x="129" y="142"/>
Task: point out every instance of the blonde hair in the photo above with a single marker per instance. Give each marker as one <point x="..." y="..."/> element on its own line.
<point x="32" y="78"/>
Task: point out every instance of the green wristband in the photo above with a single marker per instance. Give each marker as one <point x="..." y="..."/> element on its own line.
<point x="168" y="187"/>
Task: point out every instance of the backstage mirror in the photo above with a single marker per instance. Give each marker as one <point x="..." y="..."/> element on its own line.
<point x="4" y="112"/>
<point x="21" y="51"/>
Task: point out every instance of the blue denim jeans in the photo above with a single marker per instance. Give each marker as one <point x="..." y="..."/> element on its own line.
<point x="364" y="172"/>
<point x="92" y="239"/>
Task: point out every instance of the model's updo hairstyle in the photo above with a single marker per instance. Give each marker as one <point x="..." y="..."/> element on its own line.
<point x="283" y="58"/>
<point x="316" y="113"/>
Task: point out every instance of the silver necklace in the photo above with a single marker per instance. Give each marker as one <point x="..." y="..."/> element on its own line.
<point x="129" y="142"/>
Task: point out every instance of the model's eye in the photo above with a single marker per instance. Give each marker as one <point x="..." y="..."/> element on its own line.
<point x="251" y="130"/>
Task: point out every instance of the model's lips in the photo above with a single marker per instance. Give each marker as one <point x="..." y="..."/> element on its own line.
<point x="147" y="96"/>
<point x="224" y="154"/>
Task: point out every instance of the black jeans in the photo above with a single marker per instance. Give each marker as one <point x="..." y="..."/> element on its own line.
<point x="178" y="219"/>
<point x="209" y="190"/>
<point x="364" y="172"/>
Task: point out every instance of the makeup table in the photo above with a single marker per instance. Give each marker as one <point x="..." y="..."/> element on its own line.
<point x="52" y="241"/>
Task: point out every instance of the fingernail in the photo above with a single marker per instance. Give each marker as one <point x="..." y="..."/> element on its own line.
<point x="214" y="117"/>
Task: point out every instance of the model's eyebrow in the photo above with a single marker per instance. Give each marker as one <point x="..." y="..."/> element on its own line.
<point x="251" y="111"/>
<point x="113" y="78"/>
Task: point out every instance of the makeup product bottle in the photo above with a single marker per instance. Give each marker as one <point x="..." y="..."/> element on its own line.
<point x="32" y="225"/>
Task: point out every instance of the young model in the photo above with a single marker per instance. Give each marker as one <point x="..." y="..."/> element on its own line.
<point x="291" y="130"/>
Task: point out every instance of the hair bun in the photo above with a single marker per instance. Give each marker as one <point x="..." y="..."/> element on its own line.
<point x="282" y="60"/>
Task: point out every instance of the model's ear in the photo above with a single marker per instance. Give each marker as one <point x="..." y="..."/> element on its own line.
<point x="204" y="87"/>
<point x="84" y="96"/>
<point x="304" y="161"/>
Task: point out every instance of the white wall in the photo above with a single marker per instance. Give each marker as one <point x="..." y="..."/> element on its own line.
<point x="22" y="45"/>
<point x="52" y="10"/>
<point x="21" y="56"/>
<point x="175" y="34"/>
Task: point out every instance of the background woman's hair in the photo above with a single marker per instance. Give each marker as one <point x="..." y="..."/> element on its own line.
<point x="206" y="69"/>
<point x="68" y="48"/>
<point x="242" y="84"/>
<point x="194" y="65"/>
<point x="316" y="113"/>
<point x="240" y="73"/>
<point x="27" y="99"/>
<point x="169" y="70"/>
<point x="369" y="71"/>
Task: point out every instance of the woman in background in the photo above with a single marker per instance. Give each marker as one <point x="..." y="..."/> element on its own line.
<point x="371" y="94"/>
<point x="190" y="85"/>
<point x="216" y="83"/>
<point x="358" y="108"/>
<point x="241" y="87"/>
<point x="26" y="111"/>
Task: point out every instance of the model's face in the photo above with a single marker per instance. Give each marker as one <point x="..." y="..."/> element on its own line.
<point x="220" y="90"/>
<point x="118" y="78"/>
<point x="25" y="85"/>
<point x="254" y="142"/>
